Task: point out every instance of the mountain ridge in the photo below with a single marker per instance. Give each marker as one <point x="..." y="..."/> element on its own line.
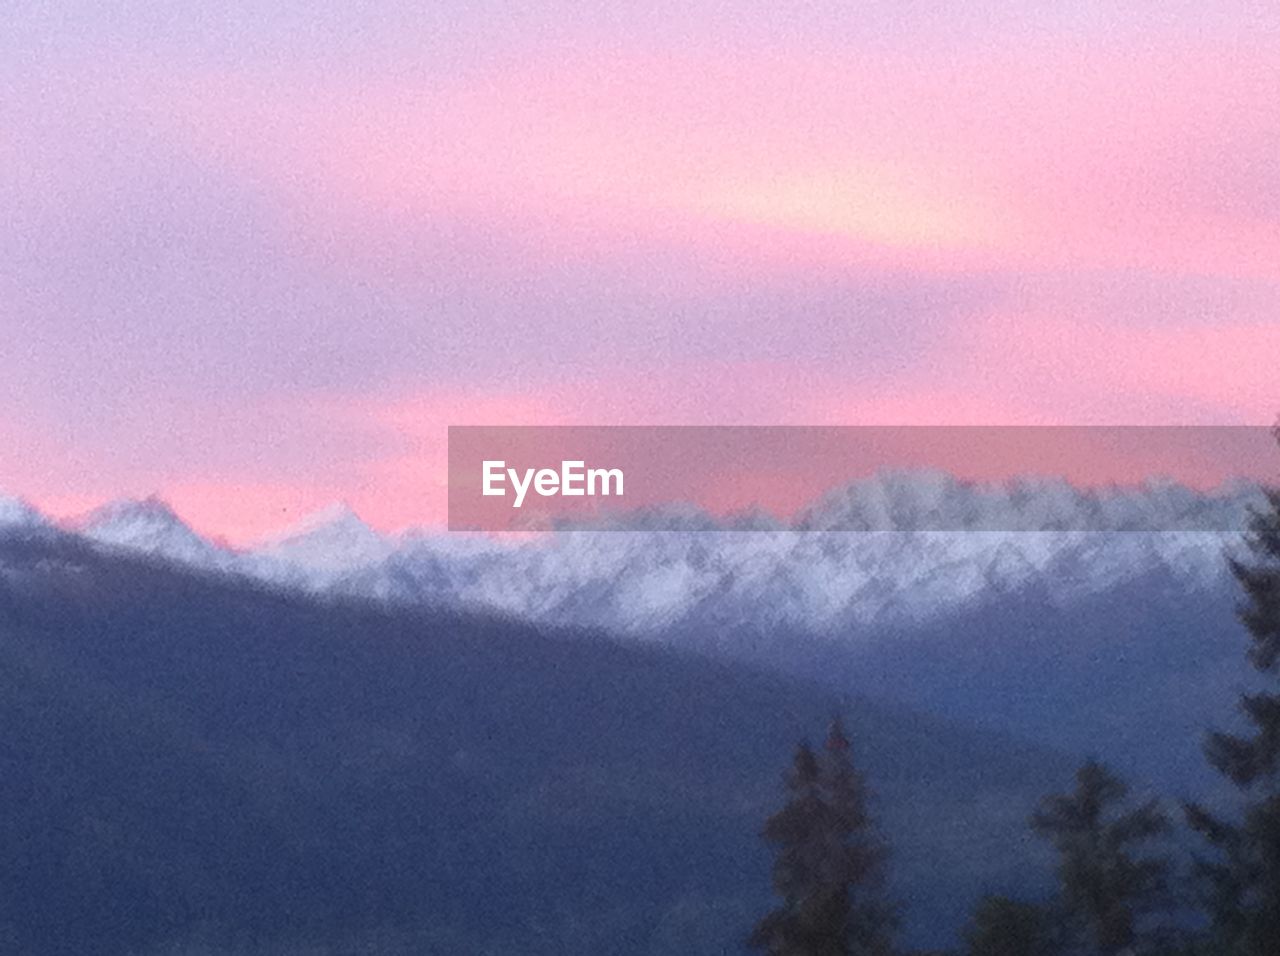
<point x="840" y="566"/>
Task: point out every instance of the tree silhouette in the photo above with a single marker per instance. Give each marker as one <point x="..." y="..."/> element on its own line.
<point x="1006" y="927"/>
<point x="829" y="867"/>
<point x="1106" y="885"/>
<point x="1244" y="872"/>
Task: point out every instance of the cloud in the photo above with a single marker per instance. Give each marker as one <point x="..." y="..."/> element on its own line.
<point x="251" y="257"/>
<point x="1045" y="156"/>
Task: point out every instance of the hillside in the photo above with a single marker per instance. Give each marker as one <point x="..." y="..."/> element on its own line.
<point x="193" y="758"/>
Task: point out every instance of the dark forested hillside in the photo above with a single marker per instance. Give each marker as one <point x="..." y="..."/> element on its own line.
<point x="190" y="761"/>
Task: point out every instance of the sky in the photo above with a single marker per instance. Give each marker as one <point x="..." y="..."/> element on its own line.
<point x="257" y="260"/>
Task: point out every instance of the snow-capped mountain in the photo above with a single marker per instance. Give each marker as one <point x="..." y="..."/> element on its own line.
<point x="320" y="549"/>
<point x="151" y="527"/>
<point x="18" y="515"/>
<point x="927" y="500"/>
<point x="814" y="582"/>
<point x="1072" y="635"/>
<point x="872" y="552"/>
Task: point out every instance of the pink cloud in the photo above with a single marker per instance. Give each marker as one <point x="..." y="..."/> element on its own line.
<point x="1151" y="158"/>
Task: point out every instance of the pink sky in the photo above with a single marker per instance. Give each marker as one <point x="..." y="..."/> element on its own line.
<point x="257" y="261"/>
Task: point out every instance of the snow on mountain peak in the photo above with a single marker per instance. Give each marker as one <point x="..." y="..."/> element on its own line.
<point x="149" y="526"/>
<point x="929" y="500"/>
<point x="332" y="540"/>
<point x="932" y="543"/>
<point x="16" y="514"/>
<point x="336" y="515"/>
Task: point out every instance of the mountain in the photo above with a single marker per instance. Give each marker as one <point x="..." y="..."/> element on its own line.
<point x="900" y="546"/>
<point x="927" y="500"/>
<point x="868" y="555"/>
<point x="151" y="527"/>
<point x="990" y="621"/>
<point x="320" y="548"/>
<point x="17" y="515"/>
<point x="1121" y="644"/>
<point x="194" y="762"/>
<point x="824" y="583"/>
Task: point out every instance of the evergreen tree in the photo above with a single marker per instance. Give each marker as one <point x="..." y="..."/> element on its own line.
<point x="1006" y="927"/>
<point x="859" y="857"/>
<point x="1244" y="875"/>
<point x="829" y="867"/>
<point x="1106" y="885"/>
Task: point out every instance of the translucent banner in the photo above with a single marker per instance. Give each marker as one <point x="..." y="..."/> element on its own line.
<point x="874" y="478"/>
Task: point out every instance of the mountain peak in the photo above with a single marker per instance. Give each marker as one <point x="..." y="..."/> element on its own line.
<point x="18" y="514"/>
<point x="336" y="519"/>
<point x="331" y="539"/>
<point x="147" y="525"/>
<point x="153" y="510"/>
<point x="338" y="514"/>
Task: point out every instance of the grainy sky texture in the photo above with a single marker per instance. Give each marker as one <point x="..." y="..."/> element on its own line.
<point x="257" y="259"/>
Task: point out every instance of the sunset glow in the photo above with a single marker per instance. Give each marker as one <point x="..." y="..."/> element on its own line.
<point x="254" y="268"/>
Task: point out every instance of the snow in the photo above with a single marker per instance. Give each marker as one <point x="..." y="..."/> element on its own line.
<point x="822" y="579"/>
<point x="149" y="526"/>
<point x="329" y="541"/>
<point x="16" y="514"/>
